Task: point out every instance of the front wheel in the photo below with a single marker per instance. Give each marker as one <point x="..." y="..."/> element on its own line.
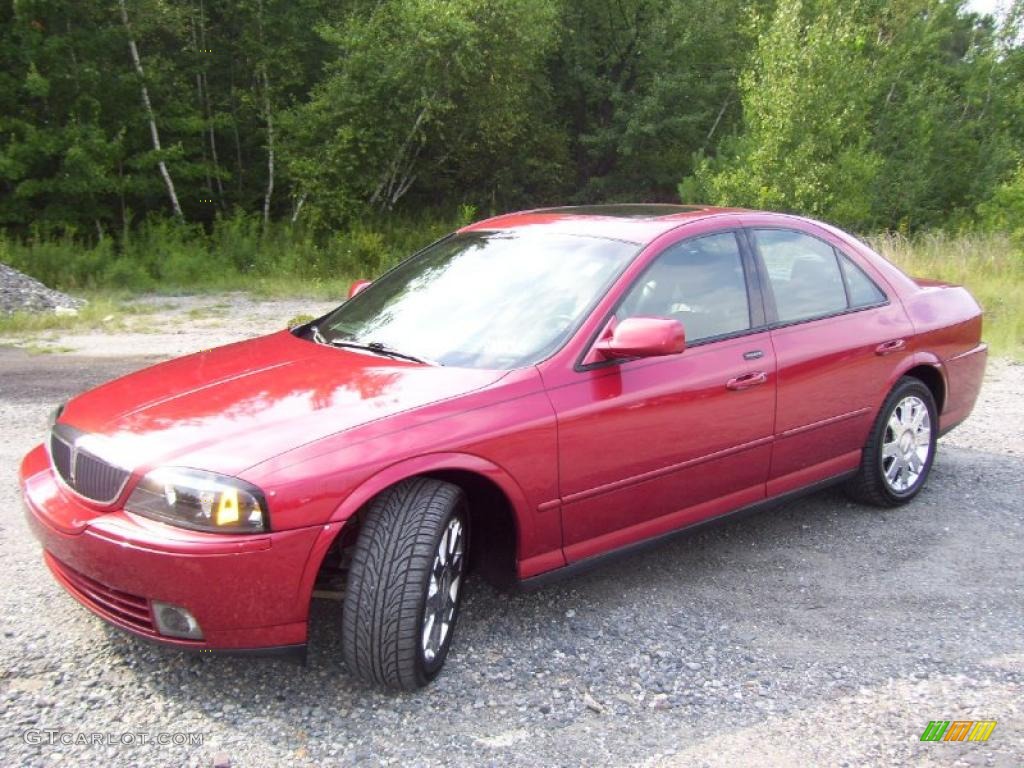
<point x="900" y="449"/>
<point x="405" y="584"/>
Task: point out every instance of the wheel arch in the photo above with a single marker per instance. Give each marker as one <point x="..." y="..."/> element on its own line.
<point x="932" y="378"/>
<point x="496" y="503"/>
<point x="928" y="369"/>
<point x="493" y="530"/>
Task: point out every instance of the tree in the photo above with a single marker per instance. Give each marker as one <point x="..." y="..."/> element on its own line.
<point x="941" y="113"/>
<point x="871" y="114"/>
<point x="643" y="85"/>
<point x="148" y="106"/>
<point x="57" y="164"/>
<point x="806" y="138"/>
<point x="422" y="94"/>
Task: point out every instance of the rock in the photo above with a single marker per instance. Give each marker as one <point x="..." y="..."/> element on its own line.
<point x="660" y="702"/>
<point x="21" y="293"/>
<point x="592" y="704"/>
<point x="222" y="760"/>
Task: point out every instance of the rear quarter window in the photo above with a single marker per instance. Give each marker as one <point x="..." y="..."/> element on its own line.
<point x="863" y="290"/>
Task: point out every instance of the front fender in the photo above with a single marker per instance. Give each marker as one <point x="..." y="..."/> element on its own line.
<point x="402" y="470"/>
<point x="435" y="462"/>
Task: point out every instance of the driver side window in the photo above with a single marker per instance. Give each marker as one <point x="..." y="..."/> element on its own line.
<point x="699" y="282"/>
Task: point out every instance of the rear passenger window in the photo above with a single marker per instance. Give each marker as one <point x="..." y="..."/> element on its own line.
<point x="699" y="282"/>
<point x="863" y="291"/>
<point x="803" y="272"/>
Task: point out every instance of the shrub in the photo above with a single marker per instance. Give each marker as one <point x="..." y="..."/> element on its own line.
<point x="1004" y="211"/>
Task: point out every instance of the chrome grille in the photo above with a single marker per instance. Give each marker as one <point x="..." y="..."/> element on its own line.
<point x="60" y="453"/>
<point x="86" y="474"/>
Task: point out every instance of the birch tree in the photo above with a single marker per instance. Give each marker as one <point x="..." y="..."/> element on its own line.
<point x="150" y="115"/>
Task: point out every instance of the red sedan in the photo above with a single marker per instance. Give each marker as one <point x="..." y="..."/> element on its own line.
<point x="524" y="398"/>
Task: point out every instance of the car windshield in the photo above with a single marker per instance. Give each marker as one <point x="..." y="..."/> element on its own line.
<point x="498" y="300"/>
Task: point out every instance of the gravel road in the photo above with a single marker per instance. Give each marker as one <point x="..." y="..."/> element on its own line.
<point x="817" y="633"/>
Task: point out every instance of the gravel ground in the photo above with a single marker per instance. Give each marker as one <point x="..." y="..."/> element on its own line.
<point x="170" y="326"/>
<point x="21" y="293"/>
<point x="818" y="633"/>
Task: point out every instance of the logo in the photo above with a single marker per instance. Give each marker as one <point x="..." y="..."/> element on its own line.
<point x="958" y="730"/>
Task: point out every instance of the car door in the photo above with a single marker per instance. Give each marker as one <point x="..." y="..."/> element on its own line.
<point x="649" y="445"/>
<point x="837" y="337"/>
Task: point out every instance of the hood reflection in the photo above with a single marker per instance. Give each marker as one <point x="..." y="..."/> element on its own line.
<point x="301" y="392"/>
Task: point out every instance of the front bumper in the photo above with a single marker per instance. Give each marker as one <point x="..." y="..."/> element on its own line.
<point x="246" y="592"/>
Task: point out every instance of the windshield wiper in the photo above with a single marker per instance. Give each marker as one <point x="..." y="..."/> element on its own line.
<point x="380" y="349"/>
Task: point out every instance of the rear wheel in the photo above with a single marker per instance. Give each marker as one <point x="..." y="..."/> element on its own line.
<point x="405" y="584"/>
<point x="900" y="449"/>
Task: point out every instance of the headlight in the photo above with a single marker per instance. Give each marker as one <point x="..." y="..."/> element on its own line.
<point x="202" y="501"/>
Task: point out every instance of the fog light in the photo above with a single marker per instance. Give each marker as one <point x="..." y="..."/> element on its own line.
<point x="174" y="621"/>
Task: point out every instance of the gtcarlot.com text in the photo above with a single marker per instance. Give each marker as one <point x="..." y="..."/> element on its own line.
<point x="57" y="737"/>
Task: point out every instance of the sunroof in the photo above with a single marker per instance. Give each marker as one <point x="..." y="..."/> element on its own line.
<point x="625" y="210"/>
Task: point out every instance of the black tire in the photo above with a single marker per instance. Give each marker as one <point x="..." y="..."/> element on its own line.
<point x="382" y="619"/>
<point x="869" y="485"/>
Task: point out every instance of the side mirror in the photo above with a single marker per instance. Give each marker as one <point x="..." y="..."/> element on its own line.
<point x="643" y="337"/>
<point x="356" y="287"/>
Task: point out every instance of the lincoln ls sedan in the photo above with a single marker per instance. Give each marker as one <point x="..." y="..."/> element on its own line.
<point x="519" y="401"/>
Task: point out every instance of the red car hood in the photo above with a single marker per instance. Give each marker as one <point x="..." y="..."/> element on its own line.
<point x="229" y="408"/>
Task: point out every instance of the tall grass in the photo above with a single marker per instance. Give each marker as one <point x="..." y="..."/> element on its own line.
<point x="991" y="266"/>
<point x="168" y="257"/>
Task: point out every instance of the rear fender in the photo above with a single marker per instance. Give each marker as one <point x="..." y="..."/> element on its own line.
<point x="913" y="361"/>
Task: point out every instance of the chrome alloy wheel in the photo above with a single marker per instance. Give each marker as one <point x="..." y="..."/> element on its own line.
<point x="906" y="444"/>
<point x="443" y="590"/>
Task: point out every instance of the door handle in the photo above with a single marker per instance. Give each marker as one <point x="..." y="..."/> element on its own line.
<point x="888" y="347"/>
<point x="747" y="381"/>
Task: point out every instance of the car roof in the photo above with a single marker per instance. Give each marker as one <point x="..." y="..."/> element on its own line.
<point x="633" y="222"/>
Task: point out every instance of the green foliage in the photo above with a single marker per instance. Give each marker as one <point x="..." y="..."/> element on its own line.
<point x="805" y="143"/>
<point x="323" y="140"/>
<point x="162" y="254"/>
<point x="300" y="319"/>
<point x="642" y="85"/>
<point x="871" y="114"/>
<point x="424" y="93"/>
<point x="1004" y="210"/>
